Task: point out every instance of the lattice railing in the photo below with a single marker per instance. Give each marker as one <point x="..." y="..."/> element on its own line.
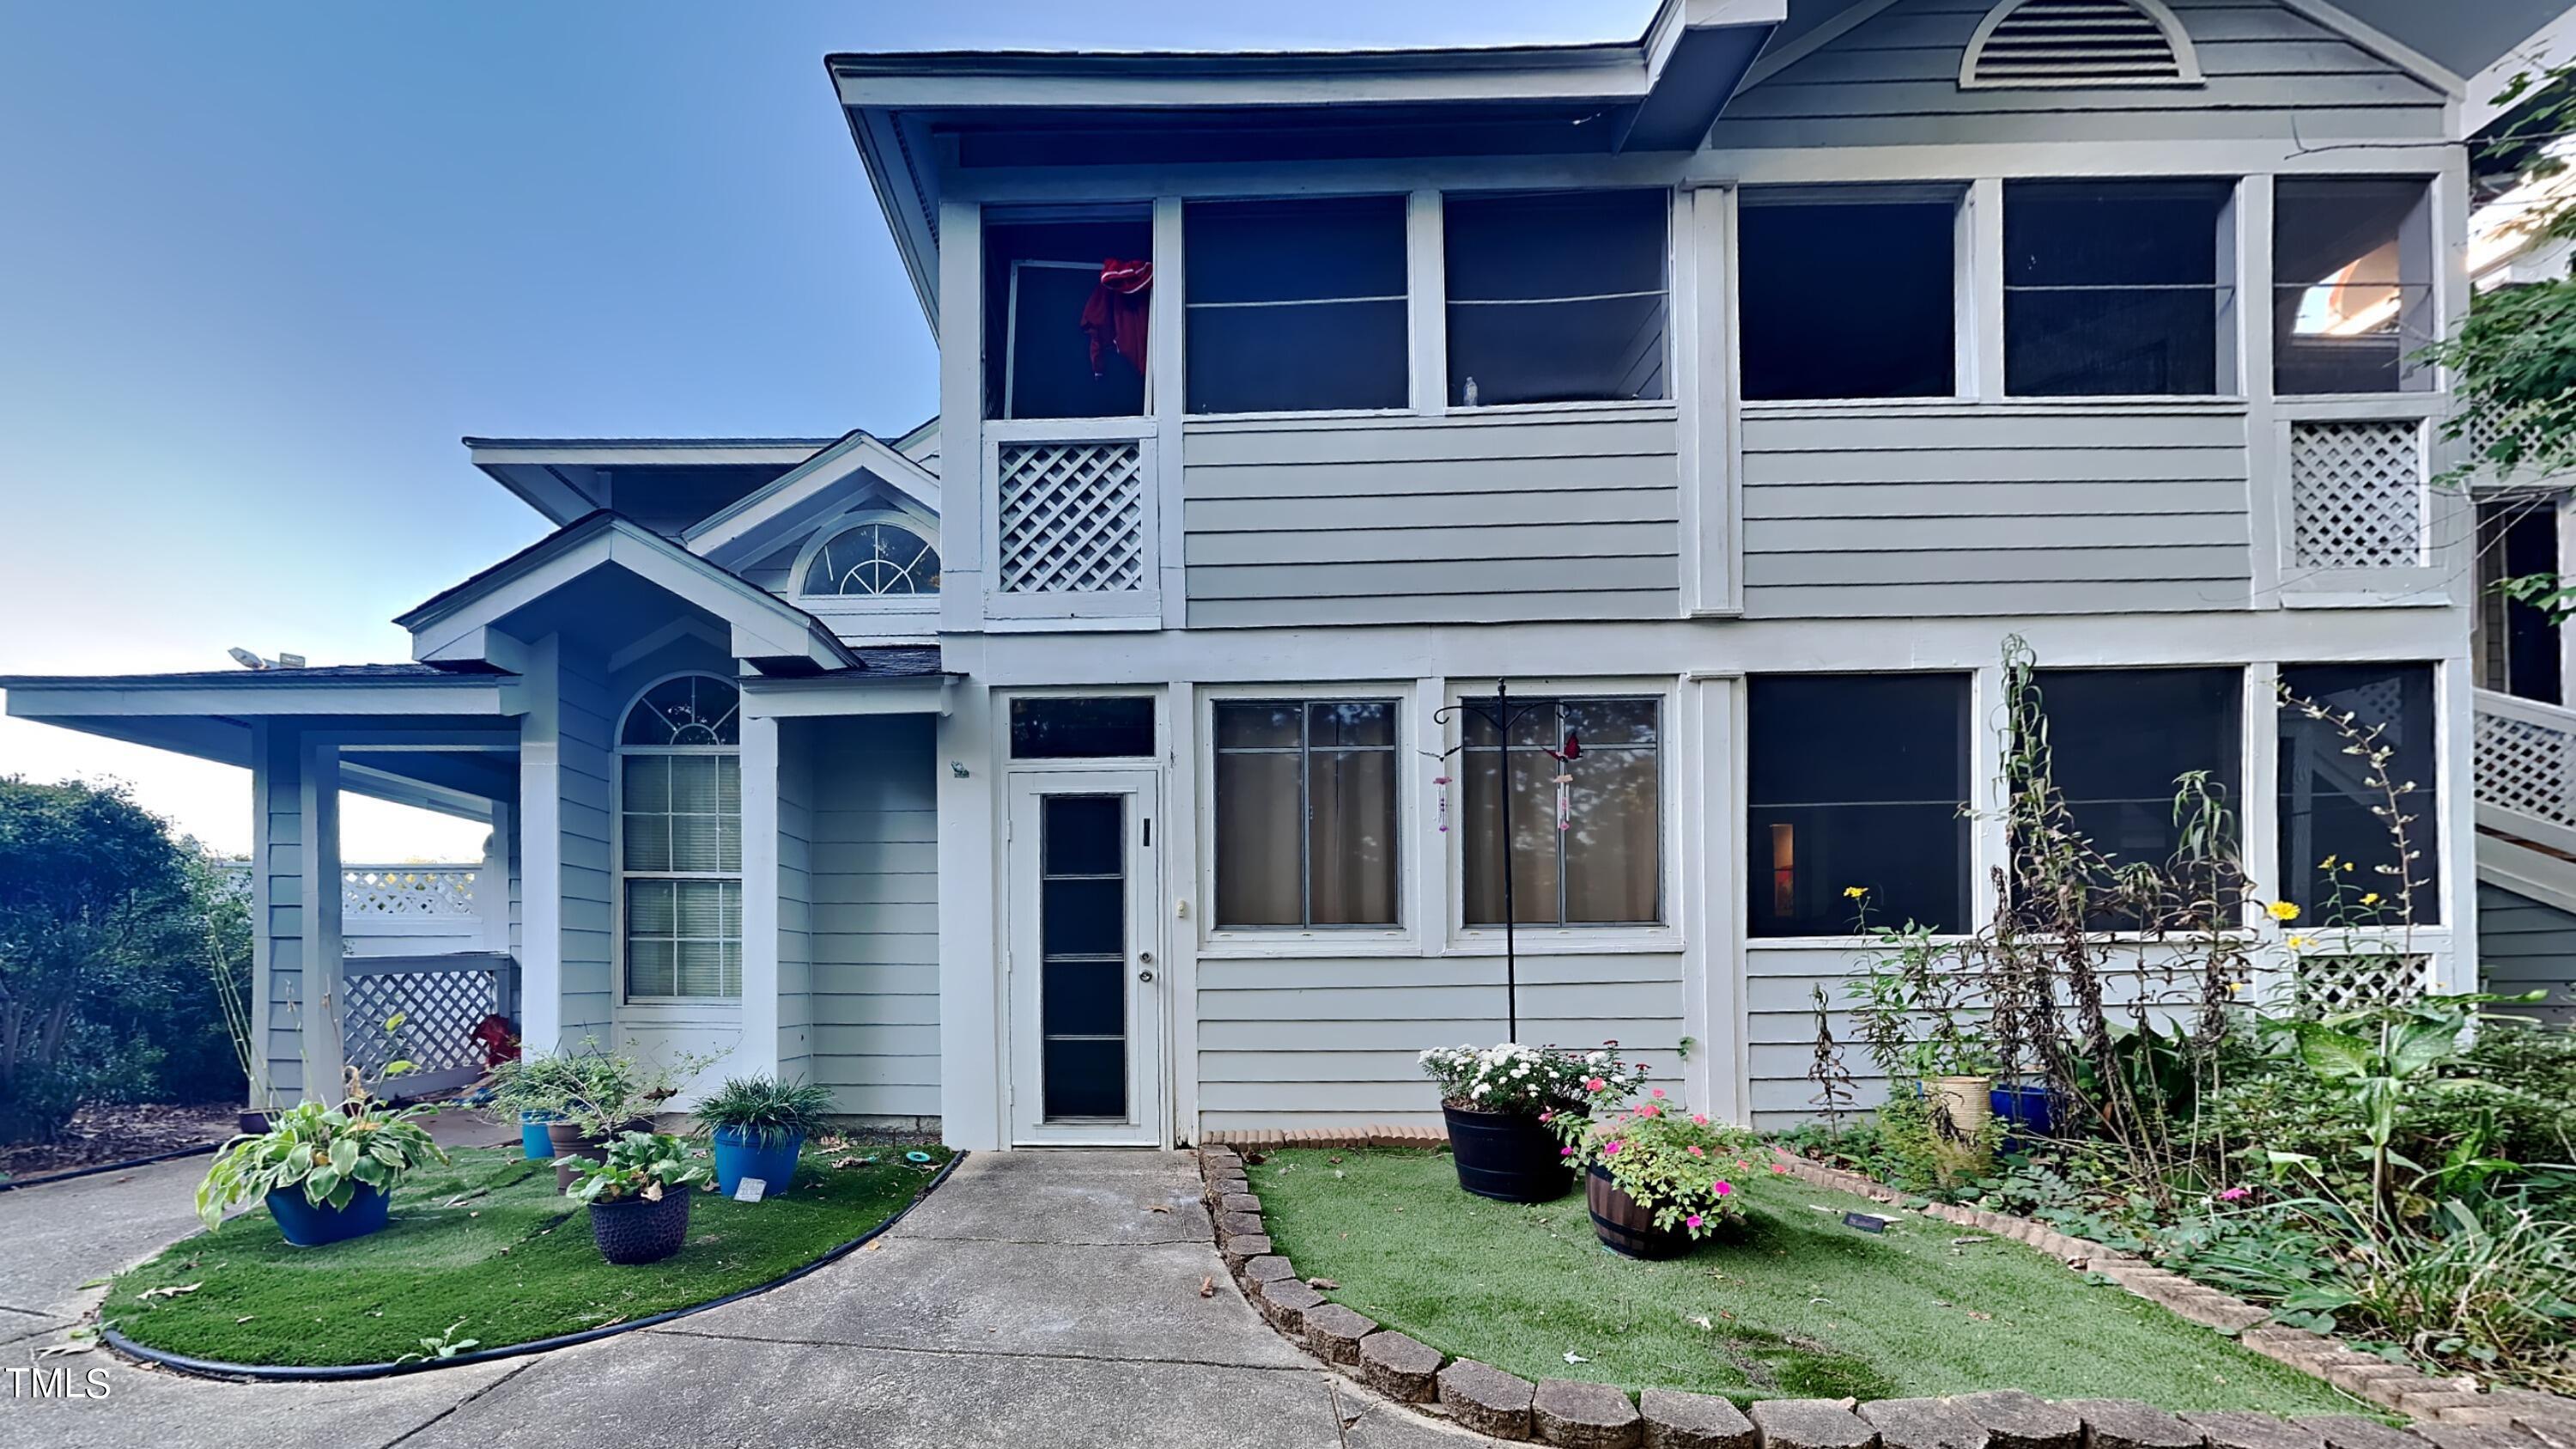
<point x="2351" y="981"/>
<point x="2526" y="768"/>
<point x="2357" y="494"/>
<point x="406" y="891"/>
<point x="1070" y="517"/>
<point x="434" y="1003"/>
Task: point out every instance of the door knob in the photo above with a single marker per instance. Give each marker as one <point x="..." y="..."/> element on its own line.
<point x="1144" y="975"/>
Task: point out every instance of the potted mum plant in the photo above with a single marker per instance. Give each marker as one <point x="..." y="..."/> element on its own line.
<point x="638" y="1193"/>
<point x="1500" y="1103"/>
<point x="1656" y="1179"/>
<point x="759" y="1124"/>
<point x="326" y="1173"/>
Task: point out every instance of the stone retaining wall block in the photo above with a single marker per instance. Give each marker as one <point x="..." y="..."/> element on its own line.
<point x="1334" y="1333"/>
<point x="1923" y="1424"/>
<point x="1487" y="1400"/>
<point x="1403" y="1369"/>
<point x="1693" y="1421"/>
<point x="1811" y="1424"/>
<point x="2128" y="1424"/>
<point x="1576" y="1415"/>
<point x="2014" y="1419"/>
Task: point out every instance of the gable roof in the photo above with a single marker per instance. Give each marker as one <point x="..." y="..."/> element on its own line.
<point x="570" y="478"/>
<point x="1658" y="92"/>
<point x="802" y="496"/>
<point x="774" y="635"/>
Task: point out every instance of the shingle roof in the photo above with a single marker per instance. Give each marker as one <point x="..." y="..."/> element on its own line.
<point x="306" y="674"/>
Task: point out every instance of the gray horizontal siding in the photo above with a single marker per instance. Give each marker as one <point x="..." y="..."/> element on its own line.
<point x="2007" y="512"/>
<point x="1336" y="1043"/>
<point x="2526" y="946"/>
<point x="2267" y="68"/>
<point x="1431" y="520"/>
<point x="873" y="932"/>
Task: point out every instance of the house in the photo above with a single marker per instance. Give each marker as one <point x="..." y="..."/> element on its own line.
<point x="1650" y="444"/>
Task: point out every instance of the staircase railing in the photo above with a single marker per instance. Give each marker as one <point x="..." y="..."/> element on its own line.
<point x="2526" y="769"/>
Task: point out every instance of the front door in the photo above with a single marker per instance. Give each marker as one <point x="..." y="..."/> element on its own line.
<point x="1085" y="959"/>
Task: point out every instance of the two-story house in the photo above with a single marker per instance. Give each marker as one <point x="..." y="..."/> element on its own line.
<point x="1650" y="445"/>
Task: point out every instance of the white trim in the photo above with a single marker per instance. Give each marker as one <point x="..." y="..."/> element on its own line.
<point x="2552" y="44"/>
<point x="837" y="607"/>
<point x="624" y="1006"/>
<point x="1215" y="941"/>
<point x="742" y="523"/>
<point x="2387" y="47"/>
<point x="1775" y="60"/>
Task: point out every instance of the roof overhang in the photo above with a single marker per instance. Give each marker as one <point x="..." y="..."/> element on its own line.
<point x="805" y="496"/>
<point x="468" y="623"/>
<point x="569" y="478"/>
<point x="439" y="740"/>
<point x="913" y="113"/>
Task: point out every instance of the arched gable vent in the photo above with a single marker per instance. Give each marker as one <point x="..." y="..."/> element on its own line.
<point x="2080" y="43"/>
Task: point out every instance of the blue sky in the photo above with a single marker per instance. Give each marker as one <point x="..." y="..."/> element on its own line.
<point x="262" y="264"/>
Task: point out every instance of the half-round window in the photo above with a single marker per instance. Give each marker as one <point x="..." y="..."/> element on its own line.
<point x="874" y="560"/>
<point x="691" y="709"/>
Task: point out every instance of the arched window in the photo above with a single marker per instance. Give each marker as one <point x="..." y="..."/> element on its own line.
<point x="2080" y="43"/>
<point x="877" y="558"/>
<point x="679" y="855"/>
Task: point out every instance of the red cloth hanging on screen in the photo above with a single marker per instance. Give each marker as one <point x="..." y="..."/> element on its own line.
<point x="1114" y="318"/>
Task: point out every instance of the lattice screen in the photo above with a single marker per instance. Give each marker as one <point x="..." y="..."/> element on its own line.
<point x="2524" y="766"/>
<point x="438" y="1011"/>
<point x="1072" y="518"/>
<point x="2357" y="494"/>
<point x="2362" y="979"/>
<point x="375" y="890"/>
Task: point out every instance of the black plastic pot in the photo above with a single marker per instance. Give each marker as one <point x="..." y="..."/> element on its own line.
<point x="1623" y="1226"/>
<point x="637" y="1231"/>
<point x="1507" y="1156"/>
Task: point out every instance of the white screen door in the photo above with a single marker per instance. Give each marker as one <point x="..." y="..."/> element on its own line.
<point x="1085" y="959"/>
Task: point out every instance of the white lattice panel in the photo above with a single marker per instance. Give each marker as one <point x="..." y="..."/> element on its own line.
<point x="2352" y="982"/>
<point x="436" y="1011"/>
<point x="1071" y="518"/>
<point x="2524" y="766"/>
<point x="405" y="891"/>
<point x="2357" y="494"/>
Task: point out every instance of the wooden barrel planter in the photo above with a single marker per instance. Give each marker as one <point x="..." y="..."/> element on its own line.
<point x="1624" y="1226"/>
<point x="1506" y="1156"/>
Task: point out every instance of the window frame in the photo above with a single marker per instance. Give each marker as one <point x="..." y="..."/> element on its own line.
<point x="1437" y="243"/>
<point x="619" y="875"/>
<point x="2418" y="382"/>
<point x="1396" y="699"/>
<point x="1965" y="258"/>
<point x="2231" y="381"/>
<point x="1671" y="758"/>
<point x="1409" y="300"/>
<point x="905" y="617"/>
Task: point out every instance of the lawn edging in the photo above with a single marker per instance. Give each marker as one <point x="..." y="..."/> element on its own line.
<point x="1582" y="1415"/>
<point x="287" y="1373"/>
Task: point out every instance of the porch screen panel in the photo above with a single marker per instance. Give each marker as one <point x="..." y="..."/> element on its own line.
<point x="1082" y="951"/>
<point x="2341" y="819"/>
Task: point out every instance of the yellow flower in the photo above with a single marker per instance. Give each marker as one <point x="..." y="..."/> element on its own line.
<point x="2296" y="942"/>
<point x="2284" y="911"/>
<point x="1855" y="892"/>
<point x="2326" y="864"/>
<point x="2370" y="898"/>
<point x="2347" y="865"/>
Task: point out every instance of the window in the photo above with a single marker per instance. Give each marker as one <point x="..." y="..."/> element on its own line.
<point x="1847" y="292"/>
<point x="2121" y="740"/>
<point x="1066" y="297"/>
<point x="2115" y="288"/>
<point x="2515" y="644"/>
<point x="1556" y="298"/>
<point x="2340" y="862"/>
<point x="1296" y="306"/>
<point x="1305" y="813"/>
<point x="873" y="560"/>
<point x="1072" y="728"/>
<point x="1857" y="780"/>
<point x="680" y="839"/>
<point x="2352" y="272"/>
<point x="1588" y="854"/>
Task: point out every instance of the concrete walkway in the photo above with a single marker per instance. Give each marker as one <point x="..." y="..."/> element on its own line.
<point x="1036" y="1299"/>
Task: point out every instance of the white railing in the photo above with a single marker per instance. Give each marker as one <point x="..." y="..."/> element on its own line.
<point x="408" y="892"/>
<point x="1075" y="520"/>
<point x="434" y="1003"/>
<point x="2526" y="769"/>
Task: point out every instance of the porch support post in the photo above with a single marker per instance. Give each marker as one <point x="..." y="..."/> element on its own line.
<point x="318" y="802"/>
<point x="541" y="856"/>
<point x="277" y="916"/>
<point x="971" y="1021"/>
<point x="758" y="1051"/>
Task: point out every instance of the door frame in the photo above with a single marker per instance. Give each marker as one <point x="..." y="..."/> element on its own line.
<point x="1149" y="1012"/>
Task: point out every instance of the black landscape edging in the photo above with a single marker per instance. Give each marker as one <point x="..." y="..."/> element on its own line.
<point x="285" y="1373"/>
<point x="15" y="1184"/>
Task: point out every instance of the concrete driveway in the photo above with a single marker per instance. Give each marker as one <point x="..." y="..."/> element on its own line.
<point x="1035" y="1299"/>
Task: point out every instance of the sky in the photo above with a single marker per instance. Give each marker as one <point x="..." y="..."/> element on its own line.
<point x="262" y="264"/>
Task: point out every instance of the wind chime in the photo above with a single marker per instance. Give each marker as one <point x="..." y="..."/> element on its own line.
<point x="1501" y="713"/>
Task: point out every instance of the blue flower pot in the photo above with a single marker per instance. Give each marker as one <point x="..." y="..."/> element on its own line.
<point x="2028" y="1106"/>
<point x="307" y="1226"/>
<point x="533" y="1144"/>
<point x="739" y="1154"/>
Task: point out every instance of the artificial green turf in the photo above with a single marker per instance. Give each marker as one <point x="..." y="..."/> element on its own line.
<point x="1800" y="1307"/>
<point x="510" y="1258"/>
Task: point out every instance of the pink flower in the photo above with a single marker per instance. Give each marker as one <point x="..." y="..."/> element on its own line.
<point x="1692" y="1221"/>
<point x="1610" y="1149"/>
<point x="1699" y="1118"/>
<point x="1721" y="1187"/>
<point x="1657" y="1094"/>
<point x="1779" y="1167"/>
<point x="1547" y="1116"/>
<point x="1741" y="1164"/>
<point x="1565" y="1152"/>
<point x="1592" y="1084"/>
<point x="1695" y="1152"/>
<point x="1650" y="1110"/>
<point x="2234" y="1193"/>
